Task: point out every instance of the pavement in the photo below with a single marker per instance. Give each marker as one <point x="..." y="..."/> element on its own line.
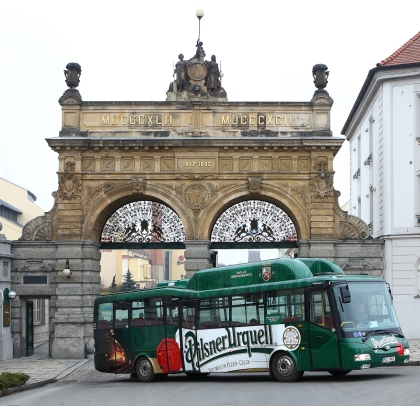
<point x="43" y="370"/>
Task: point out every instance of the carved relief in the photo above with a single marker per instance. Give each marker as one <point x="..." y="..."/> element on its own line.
<point x="353" y="228"/>
<point x="167" y="164"/>
<point x="108" y="164"/>
<point x="322" y="186"/>
<point x="265" y="164"/>
<point x="148" y="164"/>
<point x="284" y="186"/>
<point x="94" y="192"/>
<point x="226" y="164"/>
<point x="34" y="265"/>
<point x="254" y="185"/>
<point x="127" y="164"/>
<point x="285" y="164"/>
<point x="245" y="164"/>
<point x="348" y="231"/>
<point x="301" y="191"/>
<point x="196" y="196"/>
<point x="40" y="228"/>
<point x="69" y="185"/>
<point x="304" y="164"/>
<point x="5" y="270"/>
<point x="166" y="186"/>
<point x="321" y="166"/>
<point x="138" y="185"/>
<point x="88" y="165"/>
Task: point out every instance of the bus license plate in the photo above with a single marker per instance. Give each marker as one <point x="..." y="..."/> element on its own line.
<point x="386" y="360"/>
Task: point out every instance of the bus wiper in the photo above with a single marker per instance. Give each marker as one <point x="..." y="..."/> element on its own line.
<point x="381" y="332"/>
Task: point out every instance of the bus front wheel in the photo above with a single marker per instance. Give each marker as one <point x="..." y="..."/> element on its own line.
<point x="284" y="368"/>
<point x="144" y="370"/>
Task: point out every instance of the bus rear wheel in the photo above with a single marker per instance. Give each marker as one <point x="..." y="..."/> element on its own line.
<point x="338" y="373"/>
<point x="144" y="370"/>
<point x="284" y="368"/>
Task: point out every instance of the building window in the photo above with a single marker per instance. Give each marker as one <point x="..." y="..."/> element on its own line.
<point x="31" y="197"/>
<point x="8" y="214"/>
<point x="39" y="311"/>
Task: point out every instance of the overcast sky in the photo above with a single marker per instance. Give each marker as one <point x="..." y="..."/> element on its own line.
<point x="127" y="48"/>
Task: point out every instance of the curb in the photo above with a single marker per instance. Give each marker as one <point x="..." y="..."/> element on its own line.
<point x="71" y="369"/>
<point x="27" y="386"/>
<point x="33" y="385"/>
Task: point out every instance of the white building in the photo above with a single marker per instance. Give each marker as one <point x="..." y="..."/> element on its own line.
<point x="17" y="207"/>
<point x="383" y="129"/>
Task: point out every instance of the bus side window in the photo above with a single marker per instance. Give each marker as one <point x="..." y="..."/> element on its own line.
<point x="137" y="314"/>
<point x="121" y="318"/>
<point x="248" y="309"/>
<point x="105" y="319"/>
<point x="287" y="304"/>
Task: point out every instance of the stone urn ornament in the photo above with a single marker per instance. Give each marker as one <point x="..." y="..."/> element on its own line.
<point x="320" y="74"/>
<point x="72" y="74"/>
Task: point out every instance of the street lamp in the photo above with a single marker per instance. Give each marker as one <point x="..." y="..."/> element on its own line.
<point x="200" y="14"/>
<point x="66" y="270"/>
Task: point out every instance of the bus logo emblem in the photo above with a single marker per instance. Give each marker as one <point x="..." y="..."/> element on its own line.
<point x="266" y="273"/>
<point x="291" y="338"/>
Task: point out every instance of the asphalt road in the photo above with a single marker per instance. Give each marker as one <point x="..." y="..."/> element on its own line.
<point x="385" y="386"/>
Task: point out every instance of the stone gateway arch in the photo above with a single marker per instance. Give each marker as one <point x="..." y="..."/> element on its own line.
<point x="195" y="153"/>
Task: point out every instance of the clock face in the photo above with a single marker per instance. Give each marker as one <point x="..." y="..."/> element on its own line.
<point x="197" y="71"/>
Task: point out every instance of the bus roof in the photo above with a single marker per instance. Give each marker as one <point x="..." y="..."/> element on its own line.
<point x="283" y="273"/>
<point x="255" y="273"/>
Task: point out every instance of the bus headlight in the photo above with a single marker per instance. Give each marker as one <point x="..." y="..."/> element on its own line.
<point x="406" y="351"/>
<point x="362" y="357"/>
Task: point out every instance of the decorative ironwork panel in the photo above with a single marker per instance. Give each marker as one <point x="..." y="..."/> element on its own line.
<point x="143" y="222"/>
<point x="254" y="221"/>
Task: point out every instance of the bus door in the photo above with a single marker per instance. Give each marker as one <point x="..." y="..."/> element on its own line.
<point x="188" y="339"/>
<point x="323" y="339"/>
<point x="104" y="338"/>
<point x="122" y="312"/>
<point x="168" y="352"/>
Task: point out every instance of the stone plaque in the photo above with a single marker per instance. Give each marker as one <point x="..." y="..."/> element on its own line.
<point x="88" y="164"/>
<point x="127" y="164"/>
<point x="245" y="164"/>
<point x="198" y="164"/>
<point x="35" y="280"/>
<point x="285" y="164"/>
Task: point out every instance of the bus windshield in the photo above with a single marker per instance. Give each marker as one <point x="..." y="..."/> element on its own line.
<point x="370" y="309"/>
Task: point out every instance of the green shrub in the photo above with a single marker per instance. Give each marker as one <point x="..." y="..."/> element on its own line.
<point x="11" y="380"/>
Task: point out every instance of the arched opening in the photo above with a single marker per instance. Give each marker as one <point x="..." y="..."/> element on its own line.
<point x="142" y="243"/>
<point x="256" y="226"/>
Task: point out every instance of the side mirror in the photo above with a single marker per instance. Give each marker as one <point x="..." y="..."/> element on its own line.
<point x="345" y="294"/>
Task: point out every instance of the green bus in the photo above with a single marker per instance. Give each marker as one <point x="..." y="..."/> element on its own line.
<point x="283" y="316"/>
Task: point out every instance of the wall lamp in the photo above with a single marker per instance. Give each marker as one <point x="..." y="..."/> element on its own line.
<point x="11" y="295"/>
<point x="66" y="270"/>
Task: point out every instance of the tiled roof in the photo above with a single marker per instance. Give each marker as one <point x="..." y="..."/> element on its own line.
<point x="408" y="53"/>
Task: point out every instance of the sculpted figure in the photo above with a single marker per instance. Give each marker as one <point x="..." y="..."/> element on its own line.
<point x="200" y="54"/>
<point x="213" y="75"/>
<point x="180" y="70"/>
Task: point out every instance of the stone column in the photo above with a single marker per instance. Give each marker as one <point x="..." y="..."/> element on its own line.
<point x="6" y="342"/>
<point x="197" y="256"/>
<point x="73" y="316"/>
